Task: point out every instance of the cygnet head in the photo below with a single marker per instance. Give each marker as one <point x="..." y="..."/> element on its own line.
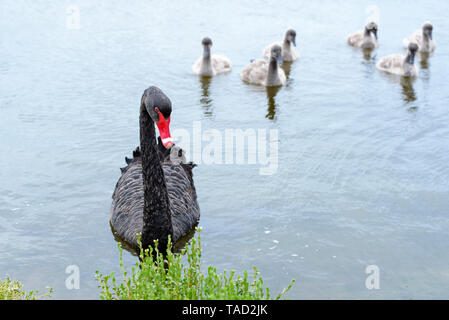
<point x="412" y="48"/>
<point x="290" y="35"/>
<point x="207" y="43"/>
<point x="427" y="29"/>
<point x="177" y="155"/>
<point x="372" y="27"/>
<point x="276" y="53"/>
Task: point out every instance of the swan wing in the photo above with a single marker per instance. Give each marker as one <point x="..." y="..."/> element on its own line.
<point x="256" y="72"/>
<point x="185" y="211"/>
<point x="392" y="64"/>
<point x="127" y="203"/>
<point x="355" y="39"/>
<point x="221" y="63"/>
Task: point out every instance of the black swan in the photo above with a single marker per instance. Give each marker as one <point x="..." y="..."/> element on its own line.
<point x="155" y="194"/>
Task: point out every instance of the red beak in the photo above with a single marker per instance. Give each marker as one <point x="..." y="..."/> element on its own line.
<point x="164" y="131"/>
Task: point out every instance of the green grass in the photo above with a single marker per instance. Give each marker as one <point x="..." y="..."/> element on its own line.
<point x="13" y="290"/>
<point x="158" y="276"/>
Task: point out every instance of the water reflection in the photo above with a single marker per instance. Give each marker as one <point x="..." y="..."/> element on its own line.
<point x="407" y="89"/>
<point x="408" y="92"/>
<point x="205" y="100"/>
<point x="181" y="243"/>
<point x="367" y="54"/>
<point x="425" y="60"/>
<point x="425" y="68"/>
<point x="271" y="94"/>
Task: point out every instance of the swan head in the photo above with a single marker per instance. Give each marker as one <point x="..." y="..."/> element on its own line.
<point x="276" y="53"/>
<point x="372" y="28"/>
<point x="158" y="106"/>
<point x="427" y="29"/>
<point x="412" y="49"/>
<point x="290" y="36"/>
<point x="207" y="44"/>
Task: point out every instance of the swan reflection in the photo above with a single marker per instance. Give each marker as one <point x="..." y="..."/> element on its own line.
<point x="205" y="100"/>
<point x="424" y="60"/>
<point x="271" y="94"/>
<point x="287" y="67"/>
<point x="367" y="54"/>
<point x="406" y="83"/>
<point x="407" y="89"/>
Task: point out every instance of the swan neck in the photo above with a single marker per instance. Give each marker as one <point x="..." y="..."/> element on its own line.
<point x="272" y="71"/>
<point x="157" y="224"/>
<point x="408" y="58"/>
<point x="273" y="64"/>
<point x="287" y="46"/>
<point x="206" y="55"/>
<point x="207" y="64"/>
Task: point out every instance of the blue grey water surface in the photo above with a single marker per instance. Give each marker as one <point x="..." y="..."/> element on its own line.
<point x="363" y="158"/>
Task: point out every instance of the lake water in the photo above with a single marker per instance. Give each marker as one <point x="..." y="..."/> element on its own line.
<point x="363" y="162"/>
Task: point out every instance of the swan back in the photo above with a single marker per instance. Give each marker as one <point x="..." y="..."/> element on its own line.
<point x="221" y="63"/>
<point x="128" y="198"/>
